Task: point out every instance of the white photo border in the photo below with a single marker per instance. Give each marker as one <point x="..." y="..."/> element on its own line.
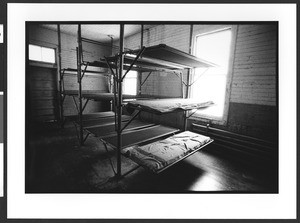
<point x="150" y="206"/>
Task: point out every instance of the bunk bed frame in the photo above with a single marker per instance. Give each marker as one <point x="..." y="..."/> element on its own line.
<point x="124" y="131"/>
<point x="80" y="94"/>
<point x="84" y="96"/>
<point x="154" y="58"/>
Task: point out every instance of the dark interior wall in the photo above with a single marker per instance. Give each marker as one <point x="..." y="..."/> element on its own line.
<point x="163" y="84"/>
<point x="43" y="94"/>
<point x="48" y="38"/>
<point x="253" y="102"/>
<point x="253" y="92"/>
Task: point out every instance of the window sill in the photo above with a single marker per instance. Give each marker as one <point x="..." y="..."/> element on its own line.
<point x="42" y="64"/>
<point x="208" y="120"/>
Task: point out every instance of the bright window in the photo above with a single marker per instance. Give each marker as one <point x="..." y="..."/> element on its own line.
<point x="210" y="83"/>
<point x="130" y="83"/>
<point x="41" y="54"/>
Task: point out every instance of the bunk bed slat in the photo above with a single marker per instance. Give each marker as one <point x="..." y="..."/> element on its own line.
<point x="109" y="129"/>
<point x="140" y="136"/>
<point x="102" y="121"/>
<point x="166" y="53"/>
<point x="92" y="116"/>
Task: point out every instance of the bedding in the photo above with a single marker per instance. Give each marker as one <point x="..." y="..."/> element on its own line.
<point x="102" y="96"/>
<point x="168" y="105"/>
<point x="158" y="155"/>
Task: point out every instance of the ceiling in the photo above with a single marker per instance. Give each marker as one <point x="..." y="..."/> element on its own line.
<point x="97" y="32"/>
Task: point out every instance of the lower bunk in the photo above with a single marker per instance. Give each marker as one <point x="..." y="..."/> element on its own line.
<point x="159" y="155"/>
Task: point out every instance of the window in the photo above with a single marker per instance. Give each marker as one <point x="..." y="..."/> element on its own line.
<point x="41" y="54"/>
<point x="130" y="83"/>
<point x="211" y="83"/>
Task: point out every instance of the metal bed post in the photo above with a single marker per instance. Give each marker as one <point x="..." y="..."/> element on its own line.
<point x="182" y="88"/>
<point x="115" y="93"/>
<point x="111" y="54"/>
<point x="140" y="83"/>
<point x="111" y="75"/>
<point x="61" y="101"/>
<point x="119" y="106"/>
<point x="142" y="36"/>
<point x="79" y="56"/>
<point x="141" y="73"/>
<point x="189" y="72"/>
<point x="185" y="112"/>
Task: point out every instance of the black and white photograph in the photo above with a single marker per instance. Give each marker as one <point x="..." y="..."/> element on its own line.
<point x="150" y="111"/>
<point x="152" y="108"/>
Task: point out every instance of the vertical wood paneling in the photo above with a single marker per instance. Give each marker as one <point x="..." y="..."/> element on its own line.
<point x="43" y="94"/>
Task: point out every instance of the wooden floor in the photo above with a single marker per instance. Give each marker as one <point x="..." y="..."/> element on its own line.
<point x="55" y="163"/>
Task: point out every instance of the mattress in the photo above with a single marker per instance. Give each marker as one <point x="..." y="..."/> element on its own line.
<point x="159" y="155"/>
<point x="101" y="96"/>
<point x="168" y="105"/>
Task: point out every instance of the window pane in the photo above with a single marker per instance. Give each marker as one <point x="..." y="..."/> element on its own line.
<point x="48" y="55"/>
<point x="131" y="74"/>
<point x="211" y="83"/>
<point x="35" y="53"/>
<point x="130" y="83"/>
<point x="215" y="47"/>
<point x="212" y="88"/>
<point x="42" y="54"/>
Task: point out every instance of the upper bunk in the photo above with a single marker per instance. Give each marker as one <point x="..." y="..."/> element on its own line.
<point x="154" y="58"/>
<point x="163" y="53"/>
<point x="167" y="105"/>
<point x="105" y="96"/>
<point x="160" y="58"/>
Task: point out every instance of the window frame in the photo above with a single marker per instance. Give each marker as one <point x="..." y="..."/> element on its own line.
<point x="43" y="63"/>
<point x="207" y="30"/>
<point x="136" y="82"/>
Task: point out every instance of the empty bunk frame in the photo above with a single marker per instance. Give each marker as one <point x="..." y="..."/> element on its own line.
<point x="71" y="71"/>
<point x="83" y="96"/>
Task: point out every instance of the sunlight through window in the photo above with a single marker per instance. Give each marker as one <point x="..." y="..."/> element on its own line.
<point x="211" y="83"/>
<point x="130" y="83"/>
<point x="41" y="54"/>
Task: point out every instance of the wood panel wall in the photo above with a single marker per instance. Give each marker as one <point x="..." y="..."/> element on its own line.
<point x="46" y="37"/>
<point x="43" y="94"/>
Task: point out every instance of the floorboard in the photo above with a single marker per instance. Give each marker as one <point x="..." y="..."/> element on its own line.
<point x="55" y="163"/>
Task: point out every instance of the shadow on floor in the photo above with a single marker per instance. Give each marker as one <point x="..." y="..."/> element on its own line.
<point x="55" y="163"/>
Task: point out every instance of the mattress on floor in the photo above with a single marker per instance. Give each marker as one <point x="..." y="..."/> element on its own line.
<point x="158" y="155"/>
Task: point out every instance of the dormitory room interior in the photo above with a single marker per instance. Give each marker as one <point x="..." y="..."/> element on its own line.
<point x="151" y="107"/>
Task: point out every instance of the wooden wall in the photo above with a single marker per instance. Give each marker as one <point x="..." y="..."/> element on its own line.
<point x="48" y="38"/>
<point x="43" y="101"/>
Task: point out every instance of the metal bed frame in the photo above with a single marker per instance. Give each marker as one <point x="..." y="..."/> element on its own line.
<point x="146" y="59"/>
<point x="85" y="96"/>
<point x="80" y="74"/>
<point x="162" y="58"/>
